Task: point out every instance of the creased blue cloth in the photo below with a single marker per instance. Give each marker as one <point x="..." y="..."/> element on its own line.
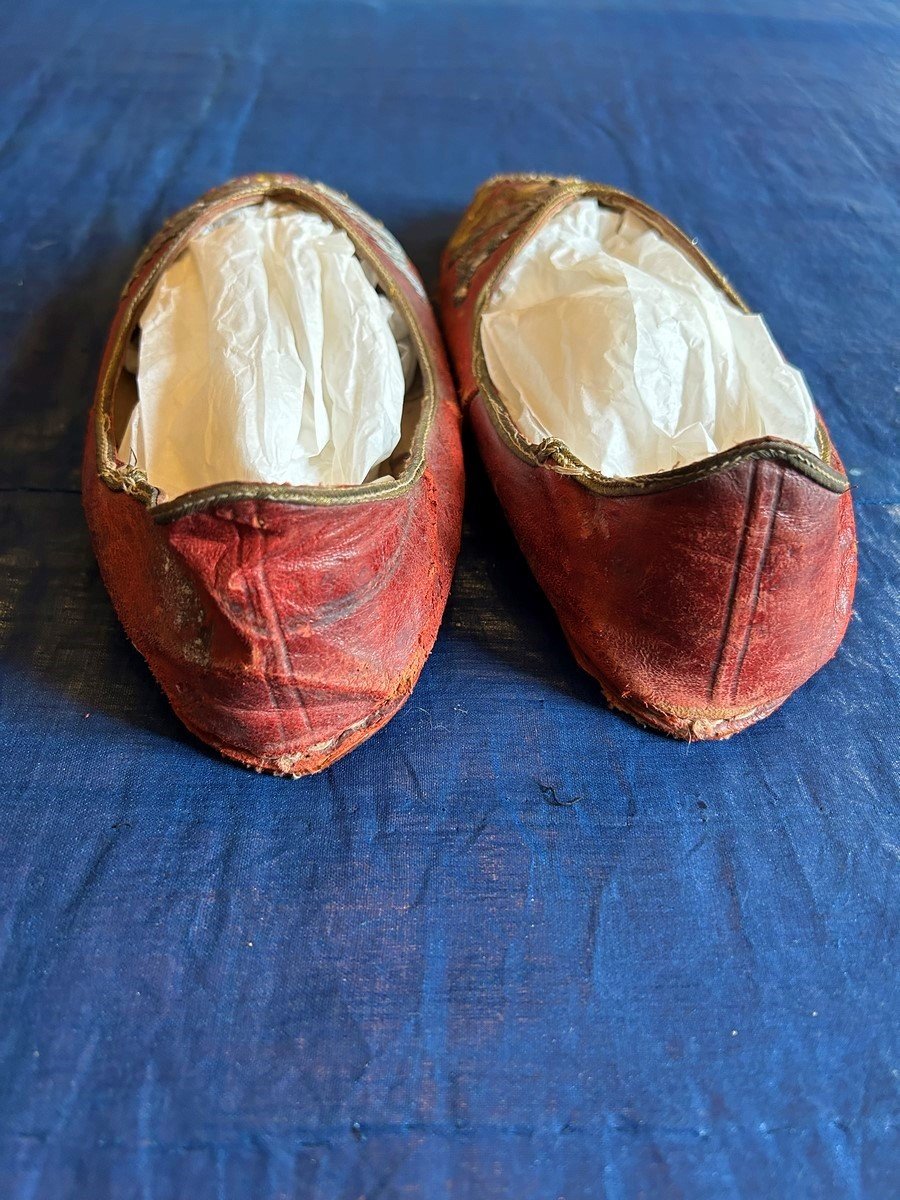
<point x="514" y="946"/>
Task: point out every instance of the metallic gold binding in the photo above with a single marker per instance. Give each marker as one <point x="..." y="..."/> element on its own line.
<point x="553" y="453"/>
<point x="167" y="244"/>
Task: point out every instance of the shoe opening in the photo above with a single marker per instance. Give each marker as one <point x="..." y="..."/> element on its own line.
<point x="267" y="353"/>
<point x="602" y="334"/>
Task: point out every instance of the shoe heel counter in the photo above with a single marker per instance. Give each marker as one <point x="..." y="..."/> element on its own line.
<point x="701" y="608"/>
<point x="791" y="594"/>
<point x="763" y="592"/>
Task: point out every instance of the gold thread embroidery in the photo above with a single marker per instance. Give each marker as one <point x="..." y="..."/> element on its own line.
<point x="494" y="215"/>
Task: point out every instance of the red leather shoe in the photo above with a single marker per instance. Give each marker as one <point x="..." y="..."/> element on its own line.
<point x="285" y="622"/>
<point x="701" y="595"/>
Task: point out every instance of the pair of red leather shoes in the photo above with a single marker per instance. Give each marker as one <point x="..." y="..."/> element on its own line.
<point x="287" y="624"/>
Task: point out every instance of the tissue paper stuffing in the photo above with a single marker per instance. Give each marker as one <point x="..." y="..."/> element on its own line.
<point x="604" y="335"/>
<point x="267" y="354"/>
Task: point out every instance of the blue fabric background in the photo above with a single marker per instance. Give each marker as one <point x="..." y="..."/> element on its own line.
<point x="514" y="946"/>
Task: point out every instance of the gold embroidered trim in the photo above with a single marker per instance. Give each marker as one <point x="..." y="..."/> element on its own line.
<point x="545" y="195"/>
<point x="488" y="222"/>
<point x="165" y="246"/>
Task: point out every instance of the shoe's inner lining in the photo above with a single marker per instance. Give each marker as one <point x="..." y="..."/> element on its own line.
<point x="266" y="353"/>
<point x="606" y="336"/>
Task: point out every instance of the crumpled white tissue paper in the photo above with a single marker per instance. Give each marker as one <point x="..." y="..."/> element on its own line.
<point x="267" y="355"/>
<point x="604" y="335"/>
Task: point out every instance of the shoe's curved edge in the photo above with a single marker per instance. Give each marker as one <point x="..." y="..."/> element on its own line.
<point x="690" y="728"/>
<point x="298" y="762"/>
<point x="685" y="724"/>
<point x="556" y="456"/>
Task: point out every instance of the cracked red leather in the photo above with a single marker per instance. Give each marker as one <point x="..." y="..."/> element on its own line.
<point x="699" y="602"/>
<point x="283" y="632"/>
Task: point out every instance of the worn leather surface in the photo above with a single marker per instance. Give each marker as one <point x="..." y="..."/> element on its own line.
<point x="284" y="634"/>
<point x="699" y="607"/>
